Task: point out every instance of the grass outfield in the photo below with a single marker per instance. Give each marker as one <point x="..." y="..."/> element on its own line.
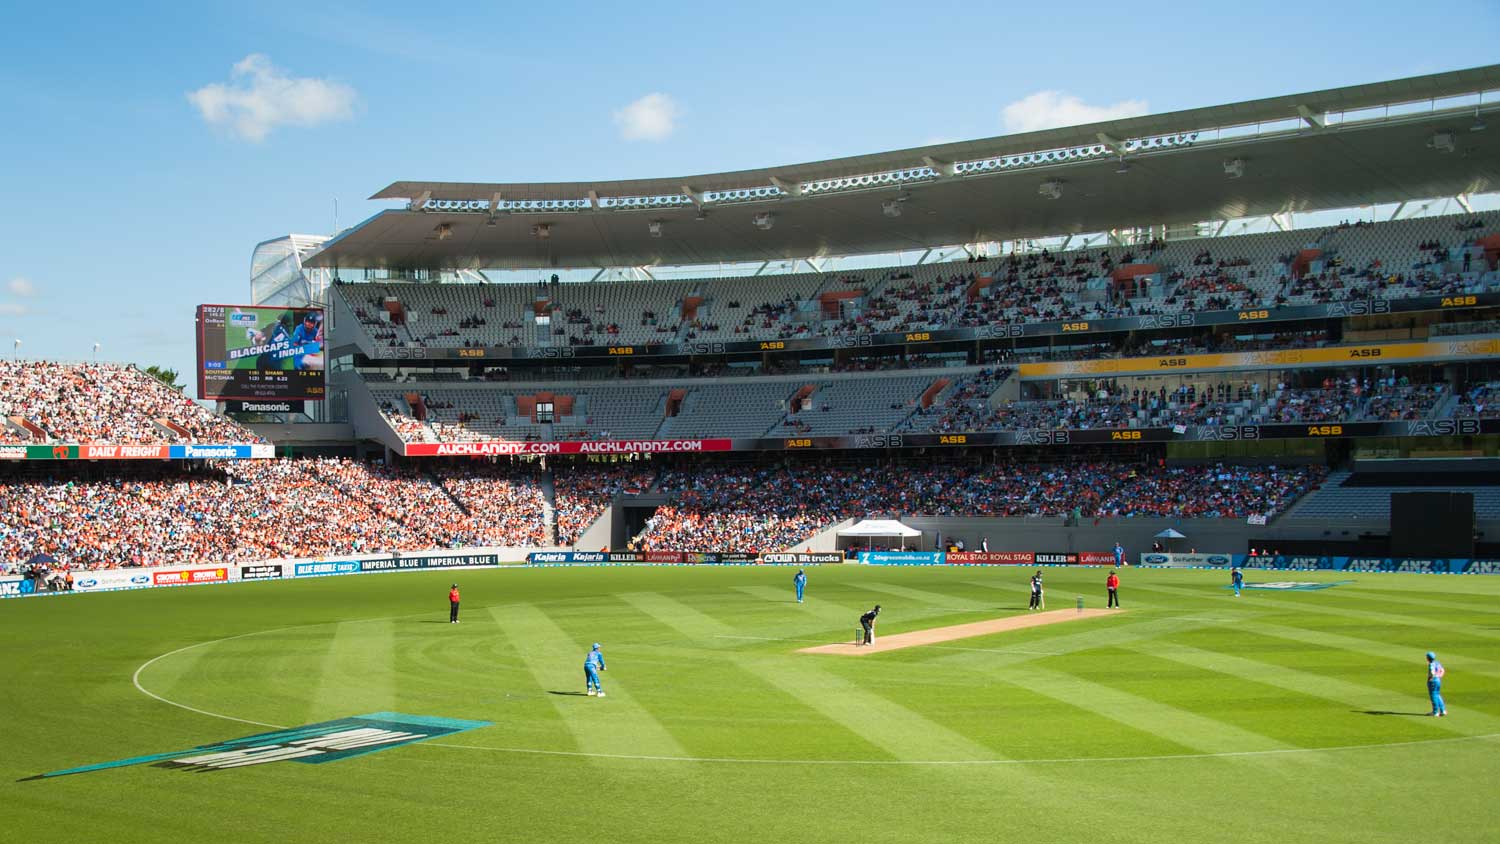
<point x="1194" y="716"/>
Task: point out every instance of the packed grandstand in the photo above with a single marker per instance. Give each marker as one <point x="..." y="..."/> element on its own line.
<point x="1162" y="373"/>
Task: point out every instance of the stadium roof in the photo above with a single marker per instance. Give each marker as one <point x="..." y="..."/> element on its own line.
<point x="1394" y="141"/>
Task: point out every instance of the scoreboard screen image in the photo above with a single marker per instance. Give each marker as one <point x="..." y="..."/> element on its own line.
<point x="253" y="352"/>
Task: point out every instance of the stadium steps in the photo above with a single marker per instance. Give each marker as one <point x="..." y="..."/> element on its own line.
<point x="438" y="482"/>
<point x="549" y="505"/>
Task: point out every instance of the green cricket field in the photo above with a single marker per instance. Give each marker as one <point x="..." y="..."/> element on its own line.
<point x="1294" y="713"/>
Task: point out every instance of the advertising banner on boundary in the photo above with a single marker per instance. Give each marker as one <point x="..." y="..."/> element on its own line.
<point x="408" y="563"/>
<point x="990" y="558"/>
<point x="185" y="577"/>
<point x="15" y="587"/>
<point x="802" y="557"/>
<point x="262" y="571"/>
<point x="1181" y="561"/>
<point x="324" y="568"/>
<point x="98" y="581"/>
<point x="901" y="558"/>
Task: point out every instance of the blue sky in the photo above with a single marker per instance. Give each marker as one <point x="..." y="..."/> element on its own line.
<point x="127" y="202"/>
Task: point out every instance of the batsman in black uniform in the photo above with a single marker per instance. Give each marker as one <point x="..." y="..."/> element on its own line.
<point x="867" y="621"/>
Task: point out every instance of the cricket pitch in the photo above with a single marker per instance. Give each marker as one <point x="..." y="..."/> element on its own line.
<point x="938" y="635"/>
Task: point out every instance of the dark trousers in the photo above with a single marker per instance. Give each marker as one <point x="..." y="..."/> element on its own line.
<point x="453" y="611"/>
<point x="1114" y="598"/>
<point x="869" y="631"/>
<point x="1036" y="601"/>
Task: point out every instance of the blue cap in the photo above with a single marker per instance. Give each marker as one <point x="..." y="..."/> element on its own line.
<point x="1431" y="655"/>
<point x="596" y="646"/>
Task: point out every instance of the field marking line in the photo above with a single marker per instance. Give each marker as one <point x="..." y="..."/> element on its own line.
<point x="938" y="635"/>
<point x="1173" y="757"/>
<point x="135" y="679"/>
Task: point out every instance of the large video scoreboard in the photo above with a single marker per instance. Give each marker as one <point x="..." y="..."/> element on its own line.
<point x="248" y="352"/>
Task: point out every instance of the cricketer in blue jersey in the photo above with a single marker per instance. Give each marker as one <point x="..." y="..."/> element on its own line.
<point x="1237" y="578"/>
<point x="1435" y="685"/>
<point x="592" y="665"/>
<point x="1119" y="555"/>
<point x="799" y="583"/>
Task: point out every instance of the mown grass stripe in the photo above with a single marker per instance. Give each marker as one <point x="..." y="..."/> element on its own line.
<point x="1354" y="695"/>
<point x="899" y="731"/>
<point x="615" y="725"/>
<point x="940" y="600"/>
<point x="1310" y="606"/>
<point x="1172" y="723"/>
<point x="356" y="672"/>
<point x="1369" y="647"/>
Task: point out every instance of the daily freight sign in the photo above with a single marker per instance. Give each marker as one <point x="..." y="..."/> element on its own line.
<point x="107" y="451"/>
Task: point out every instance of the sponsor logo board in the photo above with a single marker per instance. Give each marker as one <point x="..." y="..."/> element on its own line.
<point x="1292" y="585"/>
<point x="96" y="581"/>
<point x="124" y="452"/>
<point x="315" y="744"/>
<point x="896" y="558"/>
<point x="990" y="558"/>
<point x="266" y="571"/>
<point x="184" y="577"/>
<point x="325" y="567"/>
<point x="802" y="557"/>
<point x="15" y="587"/>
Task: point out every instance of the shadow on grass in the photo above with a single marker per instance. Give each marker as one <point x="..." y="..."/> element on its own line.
<point x="568" y="694"/>
<point x="432" y="621"/>
<point x="1388" y="712"/>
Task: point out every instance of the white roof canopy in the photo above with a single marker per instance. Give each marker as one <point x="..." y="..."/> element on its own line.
<point x="879" y="527"/>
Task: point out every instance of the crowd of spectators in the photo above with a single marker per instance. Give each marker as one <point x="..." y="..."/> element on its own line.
<point x="311" y="507"/>
<point x="772" y="508"/>
<point x="103" y="404"/>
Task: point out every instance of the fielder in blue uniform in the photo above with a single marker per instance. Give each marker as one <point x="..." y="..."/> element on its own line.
<point x="1119" y="555"/>
<point x="592" y="665"/>
<point x="1435" y="685"/>
<point x="799" y="583"/>
<point x="1237" y="578"/>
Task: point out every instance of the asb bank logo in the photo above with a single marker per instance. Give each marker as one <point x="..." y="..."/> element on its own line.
<point x="314" y="744"/>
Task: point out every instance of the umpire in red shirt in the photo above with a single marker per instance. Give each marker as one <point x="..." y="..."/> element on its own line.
<point x="1112" y="583"/>
<point x="453" y="604"/>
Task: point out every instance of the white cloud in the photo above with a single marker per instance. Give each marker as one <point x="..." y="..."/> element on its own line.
<point x="650" y="118"/>
<point x="260" y="96"/>
<point x="12" y="309"/>
<point x="1051" y="109"/>
<point x="21" y="286"/>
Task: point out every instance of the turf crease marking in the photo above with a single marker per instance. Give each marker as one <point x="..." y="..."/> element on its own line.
<point x="136" y="681"/>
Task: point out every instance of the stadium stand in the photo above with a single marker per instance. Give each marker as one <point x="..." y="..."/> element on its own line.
<point x="42" y="402"/>
<point x="1391" y="260"/>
